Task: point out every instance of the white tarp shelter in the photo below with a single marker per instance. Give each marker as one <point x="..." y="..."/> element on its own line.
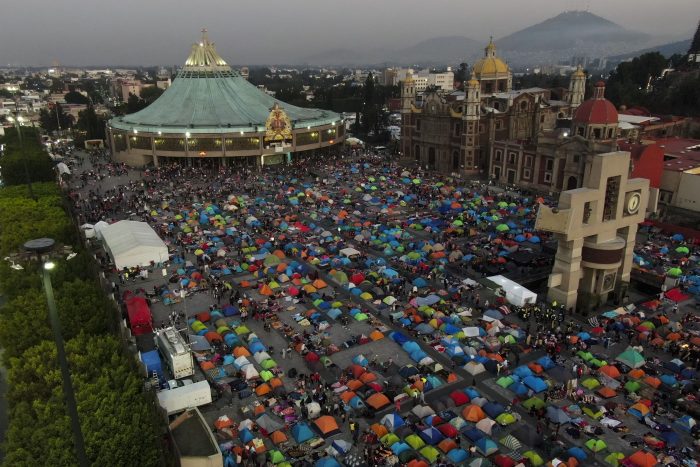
<point x="515" y="293"/>
<point x="132" y="243"/>
<point x="184" y="397"/>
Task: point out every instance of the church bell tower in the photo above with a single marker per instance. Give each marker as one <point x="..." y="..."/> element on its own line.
<point x="470" y="122"/>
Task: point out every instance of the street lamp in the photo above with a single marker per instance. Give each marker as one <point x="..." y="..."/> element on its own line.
<point x="42" y="248"/>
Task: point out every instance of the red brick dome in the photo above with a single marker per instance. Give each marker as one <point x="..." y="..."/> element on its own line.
<point x="597" y="110"/>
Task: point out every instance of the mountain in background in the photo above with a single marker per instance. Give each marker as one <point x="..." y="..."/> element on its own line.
<point x="572" y="33"/>
<point x="568" y="34"/>
<point x="678" y="47"/>
<point x="440" y="50"/>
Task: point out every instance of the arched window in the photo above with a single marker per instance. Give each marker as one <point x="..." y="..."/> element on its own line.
<point x="571" y="183"/>
<point x="455" y="160"/>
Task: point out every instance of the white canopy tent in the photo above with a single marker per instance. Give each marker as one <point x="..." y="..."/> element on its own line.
<point x="515" y="293"/>
<point x="132" y="243"/>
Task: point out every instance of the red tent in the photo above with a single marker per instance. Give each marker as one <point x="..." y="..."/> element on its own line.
<point x="676" y="295"/>
<point x="459" y="397"/>
<point x="140" y="319"/>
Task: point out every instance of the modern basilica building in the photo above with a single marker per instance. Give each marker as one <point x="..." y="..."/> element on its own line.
<point x="212" y="112"/>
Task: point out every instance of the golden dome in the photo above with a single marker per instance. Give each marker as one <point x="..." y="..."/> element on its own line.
<point x="579" y="72"/>
<point x="490" y="66"/>
<point x="473" y="81"/>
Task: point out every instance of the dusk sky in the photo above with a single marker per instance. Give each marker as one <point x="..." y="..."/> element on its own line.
<point x="131" y="32"/>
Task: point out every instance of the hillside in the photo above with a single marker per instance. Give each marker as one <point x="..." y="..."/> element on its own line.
<point x="679" y="47"/>
<point x="440" y="50"/>
<point x="567" y="34"/>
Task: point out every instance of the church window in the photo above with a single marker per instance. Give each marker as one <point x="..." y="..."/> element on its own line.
<point x="511" y="158"/>
<point x="499" y="124"/>
<point x="457" y="129"/>
<point x="498" y="155"/>
<point x="577" y="158"/>
<point x="549" y="165"/>
<point x="526" y="174"/>
<point x="528" y="161"/>
<point x="612" y="189"/>
<point x="523" y="105"/>
<point x="417" y="124"/>
<point x="547" y="177"/>
<point x="579" y="131"/>
<point x="596" y="133"/>
<point x="610" y="132"/>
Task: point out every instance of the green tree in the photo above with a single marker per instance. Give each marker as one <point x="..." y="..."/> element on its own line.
<point x="629" y="82"/>
<point x="91" y="124"/>
<point x="150" y="93"/>
<point x="50" y="118"/>
<point x="25" y="150"/>
<point x="134" y="103"/>
<point x="74" y="97"/>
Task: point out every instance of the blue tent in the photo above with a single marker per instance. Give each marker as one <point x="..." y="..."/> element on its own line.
<point x="431" y="435"/>
<point x="535" y="383"/>
<point x="474" y="434"/>
<point x="486" y="446"/>
<point x="668" y="380"/>
<point x="419" y="282"/>
<point x="473" y="393"/>
<point x="360" y="360"/>
<point x="153" y="364"/>
<point x="399" y="447"/>
<point x="546" y="362"/>
<point x="577" y="453"/>
<point x="257" y="346"/>
<point x="670" y="437"/>
<point x="685" y="423"/>
<point x="522" y="371"/>
<point x="493" y="409"/>
<point x="327" y="462"/>
<point x="457" y="455"/>
<point x="410" y="346"/>
<point x="392" y="421"/>
<point x="245" y="435"/>
<point x="301" y="432"/>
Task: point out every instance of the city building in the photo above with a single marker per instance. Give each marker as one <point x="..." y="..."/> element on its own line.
<point x="455" y="131"/>
<point x="595" y="226"/>
<point x="210" y="112"/>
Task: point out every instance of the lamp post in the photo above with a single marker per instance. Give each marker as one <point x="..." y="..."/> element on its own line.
<point x="42" y="248"/>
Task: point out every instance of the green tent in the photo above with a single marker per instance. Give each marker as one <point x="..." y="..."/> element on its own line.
<point x="535" y="402"/>
<point x="614" y="458"/>
<point x="506" y="419"/>
<point x="682" y="249"/>
<point x="430" y="453"/>
<point x="268" y="364"/>
<point x="266" y="375"/>
<point x="414" y="441"/>
<point x="389" y="439"/>
<point x="674" y="272"/>
<point x="534" y="458"/>
<point x="502" y="227"/>
<point x="590" y="383"/>
<point x="632" y="386"/>
<point x="504" y="381"/>
<point x="596" y="445"/>
<point x="276" y="457"/>
<point x="242" y="329"/>
<point x="631" y="358"/>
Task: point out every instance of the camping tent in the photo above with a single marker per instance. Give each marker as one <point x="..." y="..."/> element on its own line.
<point x="132" y="243"/>
<point x="515" y="293"/>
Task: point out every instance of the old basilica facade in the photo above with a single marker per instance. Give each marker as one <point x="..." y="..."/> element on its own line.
<point x="537" y="138"/>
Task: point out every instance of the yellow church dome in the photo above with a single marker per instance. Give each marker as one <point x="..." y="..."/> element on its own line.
<point x="490" y="64"/>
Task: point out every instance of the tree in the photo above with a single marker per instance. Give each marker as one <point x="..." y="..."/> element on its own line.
<point x="118" y="420"/>
<point x="91" y="124"/>
<point x="50" y="118"/>
<point x="74" y="97"/>
<point x="150" y="93"/>
<point x="39" y="166"/>
<point x="134" y="103"/>
<point x="462" y="73"/>
<point x="629" y="82"/>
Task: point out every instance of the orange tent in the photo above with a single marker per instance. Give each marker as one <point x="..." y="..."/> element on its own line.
<point x="446" y="445"/>
<point x="263" y="389"/>
<point x="245" y="284"/>
<point x="223" y="422"/>
<point x="279" y="254"/>
<point x="451" y="378"/>
<point x="354" y="384"/>
<point x="652" y="381"/>
<point x="319" y="284"/>
<point x="379" y="429"/>
<point x="206" y="365"/>
<point x="327" y="426"/>
<point x="259" y="409"/>
<point x="473" y="413"/>
<point x="642" y="459"/>
<point x="377" y="401"/>
<point x="356" y="370"/>
<point x="347" y="396"/>
<point x="535" y="367"/>
<point x="637" y="373"/>
<point x="368" y="377"/>
<point x="417" y="463"/>
<point x="241" y="351"/>
<point x="376" y="335"/>
<point x="275" y="383"/>
<point x="308" y="288"/>
<point x="641" y="408"/>
<point x="673" y="336"/>
<point x="281" y="267"/>
<point x="258" y="445"/>
<point x="278" y="437"/>
<point x="607" y="392"/>
<point x="266" y="290"/>
<point x="610" y="371"/>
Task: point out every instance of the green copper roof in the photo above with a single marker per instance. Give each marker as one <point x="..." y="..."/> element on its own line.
<point x="207" y="96"/>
